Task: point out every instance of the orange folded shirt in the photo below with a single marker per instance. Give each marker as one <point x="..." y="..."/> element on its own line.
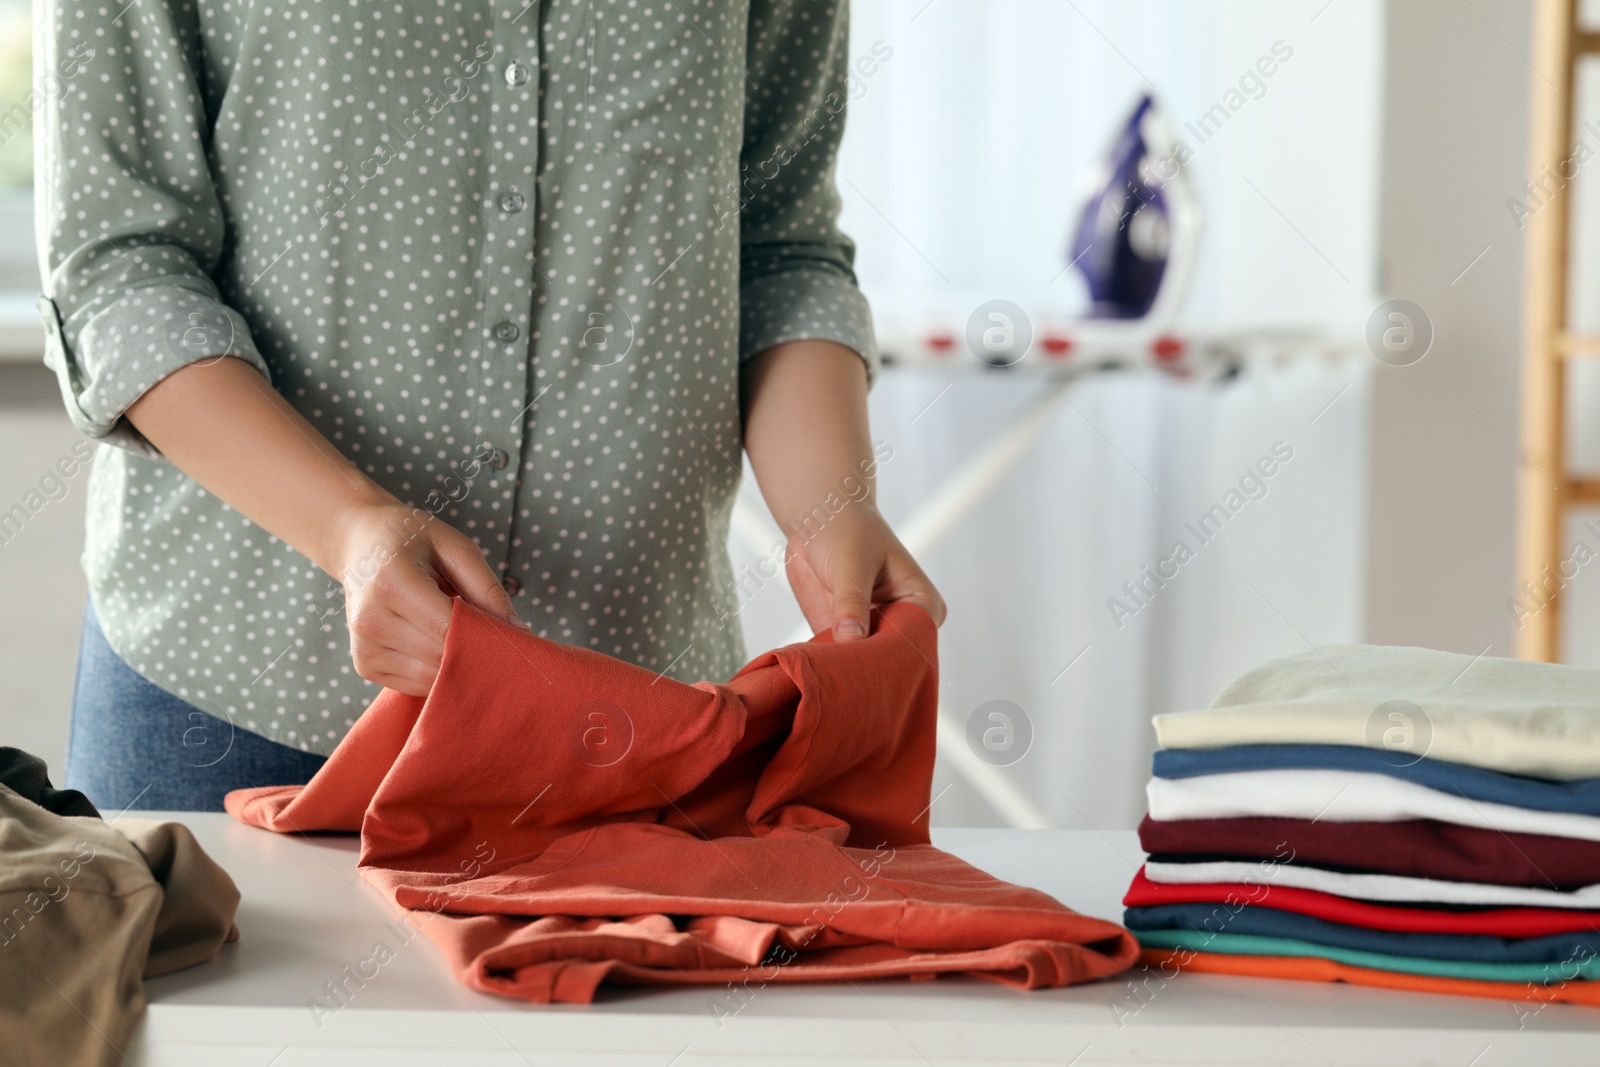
<point x="554" y="818"/>
<point x="1314" y="969"/>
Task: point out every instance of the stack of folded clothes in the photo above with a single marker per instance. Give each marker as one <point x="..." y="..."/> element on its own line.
<point x="1393" y="817"/>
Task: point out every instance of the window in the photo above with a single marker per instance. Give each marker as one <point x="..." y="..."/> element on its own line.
<point x="20" y="335"/>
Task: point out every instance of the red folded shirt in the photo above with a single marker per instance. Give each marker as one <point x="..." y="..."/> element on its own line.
<point x="1493" y="922"/>
<point x="554" y="818"/>
<point x="1416" y="848"/>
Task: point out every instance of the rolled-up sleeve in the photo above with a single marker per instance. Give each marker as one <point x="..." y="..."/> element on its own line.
<point x="130" y="222"/>
<point x="797" y="278"/>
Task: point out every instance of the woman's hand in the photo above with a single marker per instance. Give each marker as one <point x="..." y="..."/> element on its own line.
<point x="854" y="562"/>
<point x="400" y="566"/>
<point x="805" y="430"/>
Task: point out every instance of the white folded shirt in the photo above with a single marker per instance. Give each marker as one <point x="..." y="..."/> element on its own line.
<point x="1386" y="887"/>
<point x="1346" y="796"/>
<point x="1537" y="719"/>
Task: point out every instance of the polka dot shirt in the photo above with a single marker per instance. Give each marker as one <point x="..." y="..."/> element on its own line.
<point x="507" y="256"/>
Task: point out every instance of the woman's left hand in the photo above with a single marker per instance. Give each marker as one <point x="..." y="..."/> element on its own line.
<point x="805" y="430"/>
<point x="853" y="562"/>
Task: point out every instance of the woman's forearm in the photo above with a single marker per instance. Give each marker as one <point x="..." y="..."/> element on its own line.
<point x="223" y="425"/>
<point x="806" y="430"/>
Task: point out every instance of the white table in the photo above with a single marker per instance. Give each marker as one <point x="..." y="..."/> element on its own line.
<point x="306" y="914"/>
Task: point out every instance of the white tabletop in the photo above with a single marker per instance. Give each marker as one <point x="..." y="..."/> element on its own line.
<point x="306" y="914"/>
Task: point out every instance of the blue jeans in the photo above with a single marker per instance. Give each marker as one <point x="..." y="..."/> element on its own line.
<point x="133" y="744"/>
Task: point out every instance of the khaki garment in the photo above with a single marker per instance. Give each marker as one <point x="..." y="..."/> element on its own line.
<point x="87" y="911"/>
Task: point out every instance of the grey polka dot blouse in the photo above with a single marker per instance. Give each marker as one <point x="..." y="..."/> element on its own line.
<point x="507" y="256"/>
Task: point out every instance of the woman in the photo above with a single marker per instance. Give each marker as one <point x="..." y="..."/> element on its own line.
<point x="385" y="303"/>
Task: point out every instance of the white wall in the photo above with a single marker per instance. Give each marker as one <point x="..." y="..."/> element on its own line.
<point x="1444" y="461"/>
<point x="42" y="588"/>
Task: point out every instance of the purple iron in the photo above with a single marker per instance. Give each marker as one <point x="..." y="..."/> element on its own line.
<point x="1134" y="244"/>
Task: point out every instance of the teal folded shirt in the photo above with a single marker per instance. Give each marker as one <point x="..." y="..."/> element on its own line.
<point x="1586" y="968"/>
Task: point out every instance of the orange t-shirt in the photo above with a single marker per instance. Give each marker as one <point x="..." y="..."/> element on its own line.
<point x="554" y="818"/>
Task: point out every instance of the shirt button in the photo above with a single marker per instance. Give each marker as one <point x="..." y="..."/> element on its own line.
<point x="498" y="458"/>
<point x="511" y="203"/>
<point x="510" y="585"/>
<point x="516" y="73"/>
<point x="506" y="331"/>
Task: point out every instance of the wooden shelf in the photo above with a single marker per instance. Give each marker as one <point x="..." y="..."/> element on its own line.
<point x="1577" y="345"/>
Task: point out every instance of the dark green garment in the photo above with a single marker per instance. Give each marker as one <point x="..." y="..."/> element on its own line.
<point x="27" y="776"/>
<point x="508" y="257"/>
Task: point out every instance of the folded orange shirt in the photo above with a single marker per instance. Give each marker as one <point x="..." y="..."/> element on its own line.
<point x="1313" y="969"/>
<point x="554" y="818"/>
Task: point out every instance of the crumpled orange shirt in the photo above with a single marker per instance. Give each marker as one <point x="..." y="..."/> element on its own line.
<point x="554" y="819"/>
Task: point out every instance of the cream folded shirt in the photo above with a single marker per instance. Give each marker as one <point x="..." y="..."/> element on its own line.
<point x="1537" y="719"/>
<point x="1345" y="796"/>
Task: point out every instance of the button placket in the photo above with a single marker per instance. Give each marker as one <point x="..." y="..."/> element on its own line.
<point x="512" y="155"/>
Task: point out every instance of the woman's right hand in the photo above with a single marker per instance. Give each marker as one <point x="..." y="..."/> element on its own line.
<point x="400" y="566"/>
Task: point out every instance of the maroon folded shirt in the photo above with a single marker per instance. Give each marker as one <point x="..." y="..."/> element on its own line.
<point x="1417" y="848"/>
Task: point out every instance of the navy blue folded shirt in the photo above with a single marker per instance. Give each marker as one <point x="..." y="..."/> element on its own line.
<point x="1272" y="922"/>
<point x="1476" y="783"/>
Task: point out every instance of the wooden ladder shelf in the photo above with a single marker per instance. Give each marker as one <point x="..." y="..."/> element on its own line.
<point x="1545" y="488"/>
